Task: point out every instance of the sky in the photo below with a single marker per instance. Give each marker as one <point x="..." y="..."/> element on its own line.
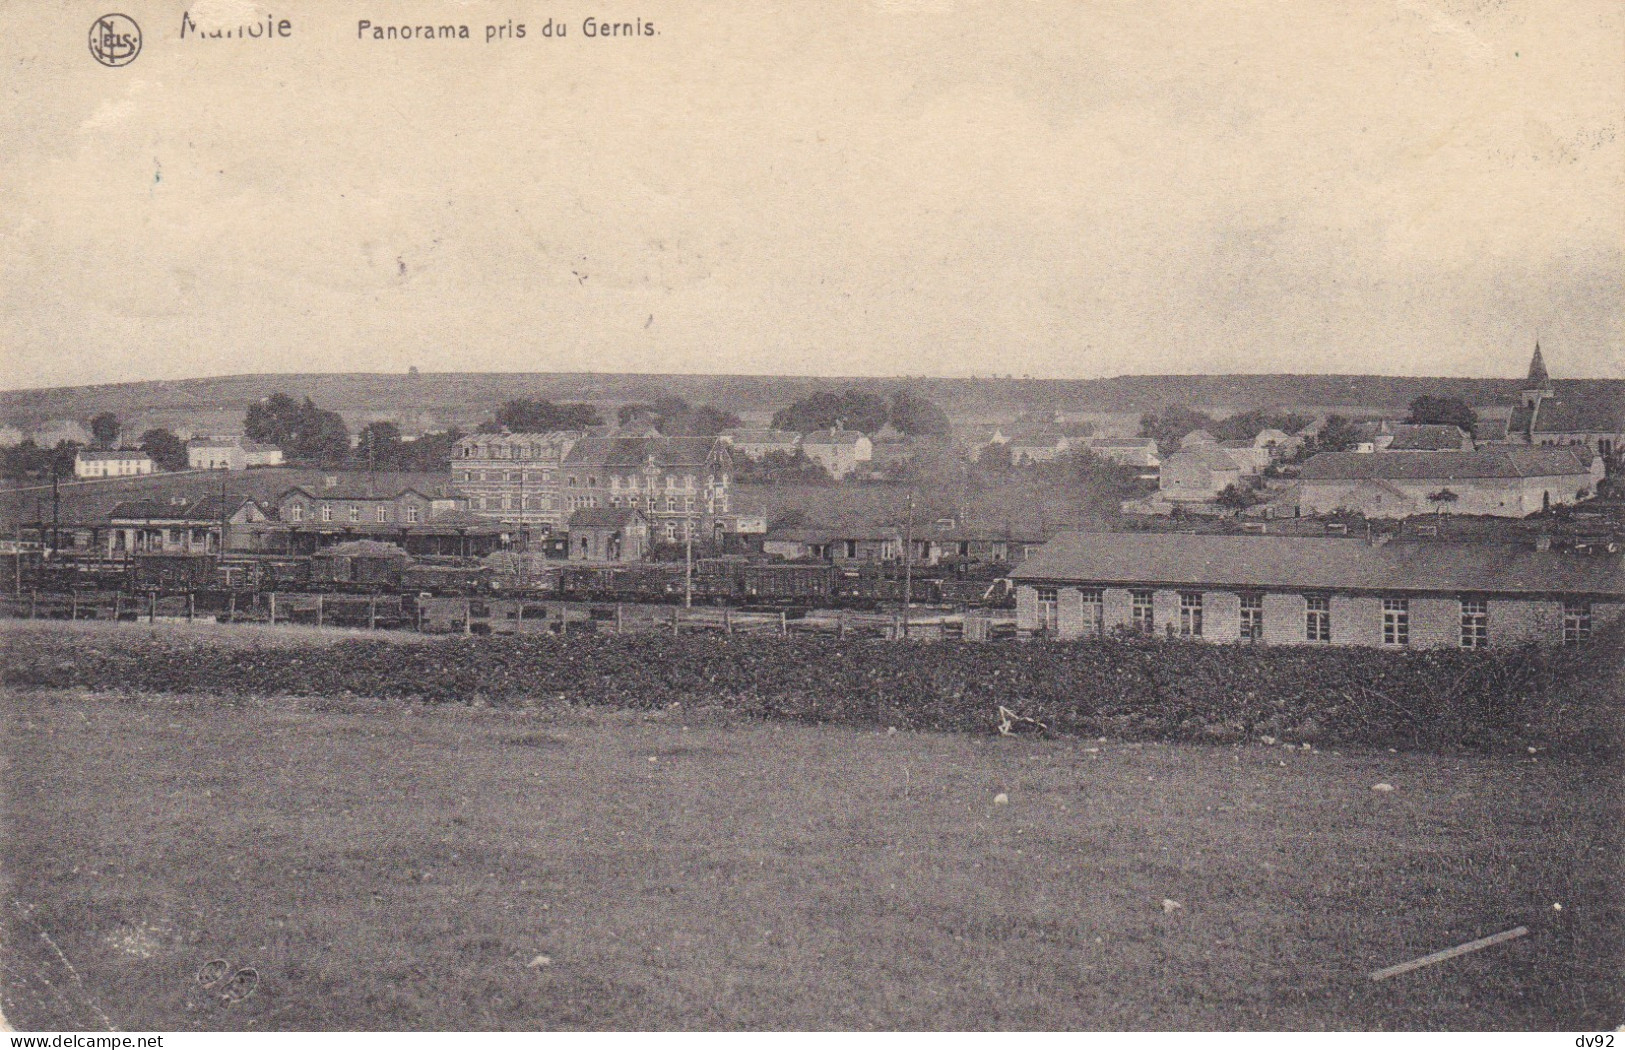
<point x="890" y="187"/>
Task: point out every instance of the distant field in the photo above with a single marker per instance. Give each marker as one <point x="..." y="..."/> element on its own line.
<point x="391" y="866"/>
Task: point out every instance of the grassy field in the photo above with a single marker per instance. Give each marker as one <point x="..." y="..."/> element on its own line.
<point x="388" y="866"/>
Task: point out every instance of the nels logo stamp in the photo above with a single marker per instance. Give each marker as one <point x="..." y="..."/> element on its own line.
<point x="115" y="40"/>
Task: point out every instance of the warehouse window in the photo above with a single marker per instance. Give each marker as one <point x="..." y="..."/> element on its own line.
<point x="1475" y="623"/>
<point x="355" y="513"/>
<point x="383" y="515"/>
<point x="1190" y="614"/>
<point x="1094" y="609"/>
<point x="1576" y="622"/>
<point x="1318" y="619"/>
<point x="411" y="515"/>
<point x="298" y="512"/>
<point x="1252" y="617"/>
<point x="1048" y="600"/>
<point x="327" y="512"/>
<point x="1142" y="617"/>
<point x="1396" y="621"/>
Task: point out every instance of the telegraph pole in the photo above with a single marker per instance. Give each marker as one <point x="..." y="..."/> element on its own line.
<point x="908" y="561"/>
<point x="56" y="514"/>
<point x="688" y="560"/>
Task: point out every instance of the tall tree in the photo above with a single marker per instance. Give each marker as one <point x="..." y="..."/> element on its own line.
<point x="1172" y="424"/>
<point x="918" y="417"/>
<point x="168" y="452"/>
<point x="1337" y="435"/>
<point x="852" y="409"/>
<point x="105" y="429"/>
<point x="526" y="416"/>
<point x="1453" y="411"/>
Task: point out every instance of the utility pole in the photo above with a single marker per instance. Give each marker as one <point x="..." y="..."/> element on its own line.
<point x="223" y="516"/>
<point x="908" y="561"/>
<point x="56" y="514"/>
<point x="688" y="559"/>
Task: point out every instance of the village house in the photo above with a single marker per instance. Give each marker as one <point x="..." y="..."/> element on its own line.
<point x="1250" y="457"/>
<point x="675" y="482"/>
<point x="1198" y="475"/>
<point x="976" y="440"/>
<point x="1045" y="447"/>
<point x="513" y="478"/>
<point x="1316" y="591"/>
<point x="1277" y="442"/>
<point x="1417" y="437"/>
<point x="1583" y="413"/>
<point x="107" y="463"/>
<point x="757" y="445"/>
<point x="1196" y="439"/>
<point x="230" y="453"/>
<point x="608" y="534"/>
<point x="839" y="452"/>
<point x="1507" y="481"/>
<point x="1129" y="452"/>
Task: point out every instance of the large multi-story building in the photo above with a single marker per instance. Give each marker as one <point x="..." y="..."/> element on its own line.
<point x="672" y="481"/>
<point x="1303" y="591"/>
<point x="514" y="477"/>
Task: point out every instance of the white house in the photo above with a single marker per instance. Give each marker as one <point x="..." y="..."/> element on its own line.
<point x="838" y="451"/>
<point x="105" y="463"/>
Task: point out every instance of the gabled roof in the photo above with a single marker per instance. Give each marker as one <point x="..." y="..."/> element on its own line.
<point x="1577" y="407"/>
<point x="603" y="518"/>
<point x="1500" y="462"/>
<point x="631" y="453"/>
<point x="1317" y="563"/>
<point x="348" y="490"/>
<point x="121" y="455"/>
<point x="1427" y="437"/>
<point x="206" y="509"/>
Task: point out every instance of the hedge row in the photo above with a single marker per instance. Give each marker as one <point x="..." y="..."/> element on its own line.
<point x="1121" y="688"/>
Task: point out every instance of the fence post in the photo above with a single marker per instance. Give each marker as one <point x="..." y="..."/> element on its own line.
<point x="840" y="623"/>
<point x="784" y="624"/>
<point x="675" y="611"/>
<point x="191" y="606"/>
<point x="620" y="621"/>
<point x="273" y="608"/>
<point x="321" y="608"/>
<point x="417" y="608"/>
<point x="372" y="613"/>
<point x="152" y="606"/>
<point x="33" y="603"/>
<point x="118" y="605"/>
<point x="727" y="620"/>
<point x="468" y="616"/>
<point x="73" y="606"/>
<point x="231" y="607"/>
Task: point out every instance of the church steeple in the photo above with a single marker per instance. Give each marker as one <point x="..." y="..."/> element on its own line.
<point x="1538" y="386"/>
<point x="1537" y="370"/>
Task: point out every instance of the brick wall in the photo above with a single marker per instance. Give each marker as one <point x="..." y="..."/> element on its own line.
<point x="1356" y="621"/>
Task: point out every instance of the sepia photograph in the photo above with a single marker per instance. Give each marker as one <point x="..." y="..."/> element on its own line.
<point x="876" y="516"/>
